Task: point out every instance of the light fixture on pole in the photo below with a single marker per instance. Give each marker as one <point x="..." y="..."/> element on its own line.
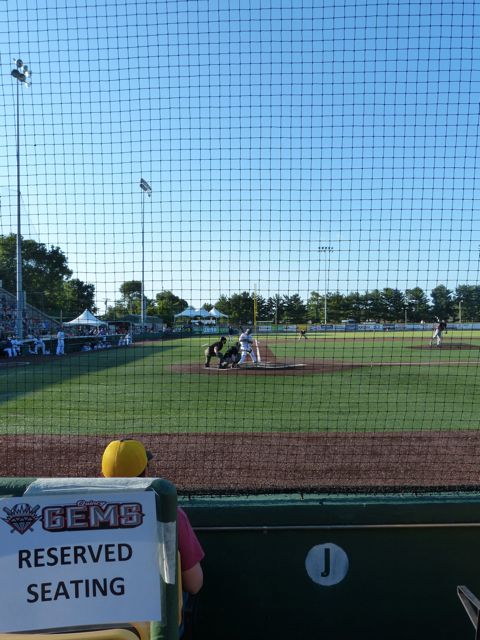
<point x="22" y="74"/>
<point x="327" y="250"/>
<point x="147" y="191"/>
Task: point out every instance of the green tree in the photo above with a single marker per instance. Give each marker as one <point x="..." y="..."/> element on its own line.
<point x="443" y="306"/>
<point x="417" y="305"/>
<point x="222" y="304"/>
<point x="131" y="292"/>
<point x="294" y="309"/>
<point x="394" y="304"/>
<point x="117" y="311"/>
<point x="167" y="304"/>
<point x="337" y="307"/>
<point x="274" y="309"/>
<point x="467" y="299"/>
<point x="76" y="297"/>
<point x="240" y="308"/>
<point x="262" y="312"/>
<point x="374" y="306"/>
<point x="44" y="271"/>
<point x="356" y="306"/>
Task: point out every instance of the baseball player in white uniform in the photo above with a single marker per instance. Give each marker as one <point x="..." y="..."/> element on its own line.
<point x="39" y="346"/>
<point x="9" y="349"/>
<point x="16" y="346"/>
<point x="60" y="343"/>
<point x="246" y="347"/>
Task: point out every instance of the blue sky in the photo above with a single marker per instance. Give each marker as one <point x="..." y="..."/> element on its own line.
<point x="266" y="130"/>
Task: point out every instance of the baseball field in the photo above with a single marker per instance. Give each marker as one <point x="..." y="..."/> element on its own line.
<point x="350" y="407"/>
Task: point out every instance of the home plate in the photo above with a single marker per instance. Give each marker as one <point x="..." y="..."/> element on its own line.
<point x="272" y="365"/>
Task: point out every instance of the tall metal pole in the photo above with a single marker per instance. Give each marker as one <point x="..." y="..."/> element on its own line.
<point x="19" y="322"/>
<point x="22" y="74"/>
<point x="147" y="190"/>
<point x="142" y="289"/>
<point x="325" y="299"/>
<point x="327" y="250"/>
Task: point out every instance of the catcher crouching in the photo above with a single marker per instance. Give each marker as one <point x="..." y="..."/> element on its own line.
<point x="231" y="357"/>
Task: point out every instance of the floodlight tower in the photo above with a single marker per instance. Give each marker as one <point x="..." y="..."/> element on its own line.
<point x="326" y="250"/>
<point x="22" y="74"/>
<point x="147" y="191"/>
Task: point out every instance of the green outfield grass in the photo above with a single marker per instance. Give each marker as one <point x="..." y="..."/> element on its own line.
<point x="134" y="389"/>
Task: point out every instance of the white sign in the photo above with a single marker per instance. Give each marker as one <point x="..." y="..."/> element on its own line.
<point x="326" y="564"/>
<point x="69" y="560"/>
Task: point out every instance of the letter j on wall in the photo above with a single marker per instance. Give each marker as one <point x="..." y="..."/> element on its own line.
<point x="326" y="564"/>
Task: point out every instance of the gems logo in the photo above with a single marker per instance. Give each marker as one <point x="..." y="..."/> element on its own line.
<point x="21" y="517"/>
<point x="81" y="516"/>
<point x="91" y="514"/>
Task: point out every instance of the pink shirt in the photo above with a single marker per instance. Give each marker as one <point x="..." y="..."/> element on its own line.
<point x="188" y="545"/>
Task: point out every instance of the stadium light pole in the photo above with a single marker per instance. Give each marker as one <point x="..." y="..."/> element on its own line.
<point x="147" y="191"/>
<point x="326" y="250"/>
<point x="22" y="74"/>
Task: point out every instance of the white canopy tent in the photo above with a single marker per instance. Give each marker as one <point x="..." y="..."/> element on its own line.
<point x="86" y="319"/>
<point x="215" y="313"/>
<point x="202" y="313"/>
<point x="190" y="312"/>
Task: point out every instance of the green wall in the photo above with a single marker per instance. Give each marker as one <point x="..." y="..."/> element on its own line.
<point x="406" y="556"/>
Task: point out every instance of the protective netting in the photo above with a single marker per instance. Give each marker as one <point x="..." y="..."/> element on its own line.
<point x="305" y="170"/>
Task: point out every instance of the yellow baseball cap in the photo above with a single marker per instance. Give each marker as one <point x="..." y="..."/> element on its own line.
<point x="125" y="459"/>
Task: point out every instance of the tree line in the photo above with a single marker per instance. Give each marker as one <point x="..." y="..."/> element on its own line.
<point x="49" y="286"/>
<point x="47" y="279"/>
<point x="386" y="305"/>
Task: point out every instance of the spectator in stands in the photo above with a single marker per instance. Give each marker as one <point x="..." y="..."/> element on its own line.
<point x="128" y="459"/>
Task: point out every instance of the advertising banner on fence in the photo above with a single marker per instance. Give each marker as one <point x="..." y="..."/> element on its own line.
<point x="69" y="560"/>
<point x="264" y="328"/>
<point x="323" y="327"/>
<point x="370" y="326"/>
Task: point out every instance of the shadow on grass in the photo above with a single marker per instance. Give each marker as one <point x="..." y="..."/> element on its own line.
<point x="28" y="375"/>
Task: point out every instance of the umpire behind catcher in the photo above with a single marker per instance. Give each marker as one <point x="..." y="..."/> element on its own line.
<point x="214" y="350"/>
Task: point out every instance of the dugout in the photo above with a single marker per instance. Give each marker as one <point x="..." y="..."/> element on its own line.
<point x="336" y="566"/>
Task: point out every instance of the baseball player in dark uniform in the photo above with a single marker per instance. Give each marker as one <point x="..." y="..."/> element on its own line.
<point x="438" y="330"/>
<point x="231" y="357"/>
<point x="214" y="351"/>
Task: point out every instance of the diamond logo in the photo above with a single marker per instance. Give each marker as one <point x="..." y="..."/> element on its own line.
<point x="21" y="517"/>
